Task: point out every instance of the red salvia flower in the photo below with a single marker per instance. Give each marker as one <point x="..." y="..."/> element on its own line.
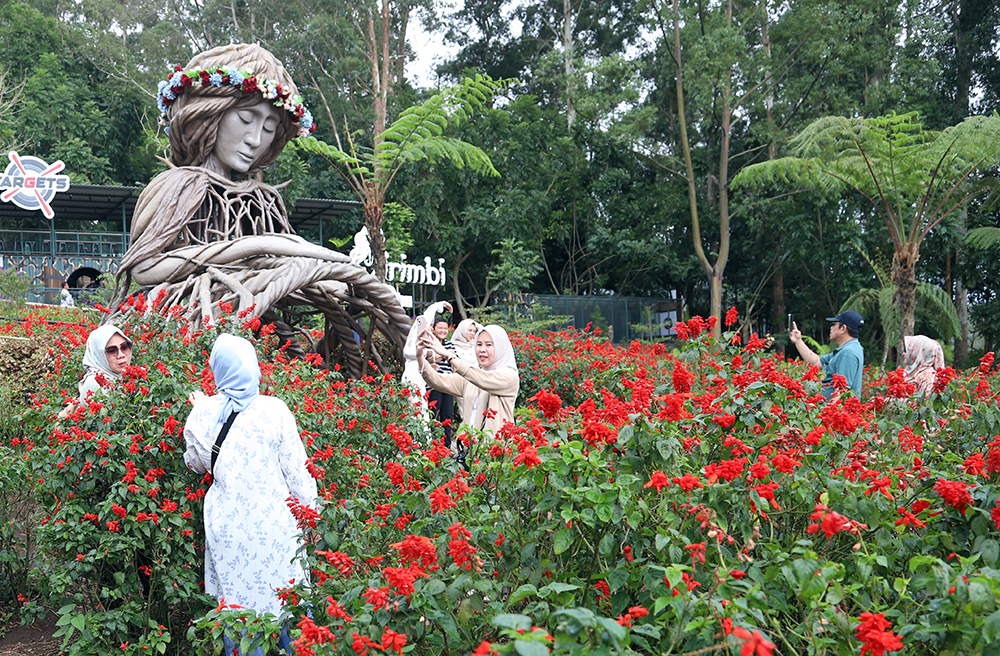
<point x="874" y="637"/>
<point x="754" y="644"/>
<point x="658" y="480"/>
<point x="955" y="494"/>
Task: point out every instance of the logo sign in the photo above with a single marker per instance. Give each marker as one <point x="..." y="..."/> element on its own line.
<point x="30" y="183"/>
<point x="402" y="271"/>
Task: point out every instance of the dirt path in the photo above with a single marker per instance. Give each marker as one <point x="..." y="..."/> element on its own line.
<point x="32" y="640"/>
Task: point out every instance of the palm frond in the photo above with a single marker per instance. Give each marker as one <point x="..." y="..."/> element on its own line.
<point x="889" y="314"/>
<point x="983" y="238"/>
<point x="864" y="301"/>
<point x="419" y="131"/>
<point x="787" y="172"/>
<point x="346" y="163"/>
<point x="461" y="154"/>
<point x="882" y="272"/>
<point x="940" y="306"/>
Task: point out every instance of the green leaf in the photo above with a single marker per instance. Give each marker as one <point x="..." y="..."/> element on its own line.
<point x="563" y="540"/>
<point x="990" y="551"/>
<point x="525" y="648"/>
<point x="674" y="576"/>
<point x="991" y="627"/>
<point x="512" y="621"/>
<point x="980" y="597"/>
<point x="559" y="586"/>
<point x="433" y="587"/>
<point x="617" y="579"/>
<point x="616" y="630"/>
<point x="525" y="591"/>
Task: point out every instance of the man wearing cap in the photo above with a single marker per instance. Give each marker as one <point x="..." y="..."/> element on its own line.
<point x="848" y="359"/>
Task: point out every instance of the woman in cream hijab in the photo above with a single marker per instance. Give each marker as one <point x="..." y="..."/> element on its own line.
<point x="108" y="353"/>
<point x="493" y="386"/>
<point x="924" y="356"/>
<point x="464" y="340"/>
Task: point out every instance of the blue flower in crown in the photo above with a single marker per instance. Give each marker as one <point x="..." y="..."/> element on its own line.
<point x="215" y="79"/>
<point x="235" y="77"/>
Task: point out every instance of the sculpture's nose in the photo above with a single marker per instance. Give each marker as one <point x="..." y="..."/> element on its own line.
<point x="253" y="136"/>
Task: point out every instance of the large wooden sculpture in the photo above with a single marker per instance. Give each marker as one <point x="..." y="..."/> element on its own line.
<point x="206" y="232"/>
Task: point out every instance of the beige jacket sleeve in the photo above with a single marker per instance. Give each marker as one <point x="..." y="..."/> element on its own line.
<point x="502" y="382"/>
<point x="453" y="384"/>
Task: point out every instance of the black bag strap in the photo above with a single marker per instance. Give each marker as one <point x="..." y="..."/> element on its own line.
<point x="222" y="438"/>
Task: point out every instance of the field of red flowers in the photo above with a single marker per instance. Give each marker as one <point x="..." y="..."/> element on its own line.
<point x="647" y="500"/>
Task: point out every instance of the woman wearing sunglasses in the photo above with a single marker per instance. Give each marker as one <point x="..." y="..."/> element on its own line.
<point x="108" y="353"/>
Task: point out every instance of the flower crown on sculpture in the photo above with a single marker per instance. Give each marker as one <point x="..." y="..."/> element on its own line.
<point x="168" y="90"/>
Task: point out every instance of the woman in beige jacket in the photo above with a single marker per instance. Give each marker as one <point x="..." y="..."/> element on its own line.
<point x="492" y="386"/>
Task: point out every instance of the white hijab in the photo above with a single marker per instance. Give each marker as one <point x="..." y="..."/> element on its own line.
<point x="236" y="371"/>
<point x="95" y="360"/>
<point x="465" y="347"/>
<point x="503" y="351"/>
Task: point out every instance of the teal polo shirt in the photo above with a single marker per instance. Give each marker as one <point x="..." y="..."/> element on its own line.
<point x="848" y="361"/>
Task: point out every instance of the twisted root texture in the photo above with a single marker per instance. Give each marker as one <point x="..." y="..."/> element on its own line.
<point x="202" y="240"/>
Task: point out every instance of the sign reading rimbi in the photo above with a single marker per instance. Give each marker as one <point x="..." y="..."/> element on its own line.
<point x="30" y="183"/>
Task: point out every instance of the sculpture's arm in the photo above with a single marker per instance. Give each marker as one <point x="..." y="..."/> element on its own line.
<point x="183" y="262"/>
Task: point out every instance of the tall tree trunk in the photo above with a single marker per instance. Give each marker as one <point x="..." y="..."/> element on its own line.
<point x="778" y="289"/>
<point x="778" y="285"/>
<point x="381" y="58"/>
<point x="712" y="271"/>
<point x="962" y="19"/>
<point x="373" y="207"/>
<point x="904" y="263"/>
<point x="568" y="65"/>
<point x="723" y="257"/>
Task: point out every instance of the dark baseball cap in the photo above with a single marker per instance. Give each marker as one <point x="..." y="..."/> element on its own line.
<point x="849" y="318"/>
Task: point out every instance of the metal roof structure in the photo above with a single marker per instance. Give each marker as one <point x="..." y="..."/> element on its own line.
<point x="116" y="204"/>
<point x="86" y="202"/>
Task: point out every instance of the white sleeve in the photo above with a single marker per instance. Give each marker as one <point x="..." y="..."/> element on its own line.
<point x="432" y="311"/>
<point x="198" y="454"/>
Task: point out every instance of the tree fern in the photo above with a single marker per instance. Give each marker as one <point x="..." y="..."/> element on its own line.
<point x="418" y="134"/>
<point x="983" y="238"/>
<point x="913" y="178"/>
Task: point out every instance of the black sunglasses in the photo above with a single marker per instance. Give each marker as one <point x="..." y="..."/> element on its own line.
<point x="113" y="350"/>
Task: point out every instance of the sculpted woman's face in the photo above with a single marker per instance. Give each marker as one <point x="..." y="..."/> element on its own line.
<point x="245" y="133"/>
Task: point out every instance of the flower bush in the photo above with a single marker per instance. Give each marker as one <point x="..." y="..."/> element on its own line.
<point x="645" y="501"/>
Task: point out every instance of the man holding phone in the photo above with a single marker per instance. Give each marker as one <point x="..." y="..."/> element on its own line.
<point x="848" y="359"/>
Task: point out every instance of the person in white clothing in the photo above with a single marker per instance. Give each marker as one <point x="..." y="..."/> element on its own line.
<point x="251" y="536"/>
<point x="411" y="369"/>
<point x="65" y="298"/>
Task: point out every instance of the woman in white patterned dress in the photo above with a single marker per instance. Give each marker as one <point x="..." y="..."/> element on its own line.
<point x="251" y="536"/>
